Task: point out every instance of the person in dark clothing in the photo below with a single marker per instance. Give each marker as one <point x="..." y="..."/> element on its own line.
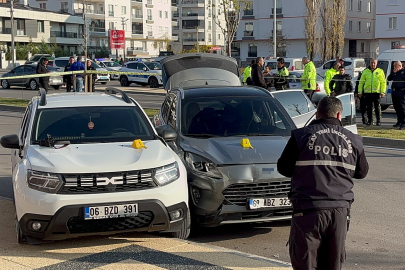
<point x="257" y="74"/>
<point x="322" y="158"/>
<point x="341" y="83"/>
<point x="398" y="93"/>
<point x="67" y="79"/>
<point x="362" y="101"/>
<point x="93" y="77"/>
<point x="42" y="69"/>
<point x="122" y="62"/>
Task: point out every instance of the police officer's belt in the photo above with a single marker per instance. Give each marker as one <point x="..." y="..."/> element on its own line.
<point x="398" y="89"/>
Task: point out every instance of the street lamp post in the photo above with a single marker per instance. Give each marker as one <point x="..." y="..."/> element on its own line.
<point x="275" y="30"/>
<point x="12" y="32"/>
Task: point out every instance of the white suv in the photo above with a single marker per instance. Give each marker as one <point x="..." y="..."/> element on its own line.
<point x="91" y="163"/>
<point x="352" y="66"/>
<point x="153" y="76"/>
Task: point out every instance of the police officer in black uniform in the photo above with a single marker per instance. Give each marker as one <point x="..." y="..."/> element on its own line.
<point x="322" y="159"/>
<point x="398" y="93"/>
<point x="362" y="101"/>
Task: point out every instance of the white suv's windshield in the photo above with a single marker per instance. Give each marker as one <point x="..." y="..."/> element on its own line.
<point x="233" y="116"/>
<point x="91" y="124"/>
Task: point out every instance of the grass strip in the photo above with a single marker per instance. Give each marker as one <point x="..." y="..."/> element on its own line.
<point x="14" y="102"/>
<point x="381" y="132"/>
<point x="151" y="112"/>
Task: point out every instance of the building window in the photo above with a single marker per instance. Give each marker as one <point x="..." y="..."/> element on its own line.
<point x="150" y="2"/>
<point x="392" y="24"/>
<point x="209" y="12"/>
<point x="209" y="25"/>
<point x="394" y="44"/>
<point x="362" y="47"/>
<point x="64" y="7"/>
<point x="20" y="27"/>
<point x="166" y="14"/>
<point x="249" y="26"/>
<point x="369" y="7"/>
<point x="42" y="5"/>
<point x="149" y="13"/>
<point x="111" y="24"/>
<point x="350" y="5"/>
<point x="359" y="5"/>
<point x="123" y="10"/>
<point x="160" y="14"/>
<point x="111" y="10"/>
<point x="252" y="50"/>
<point x="368" y="27"/>
<point x="41" y="27"/>
<point x="209" y="38"/>
<point x="350" y="26"/>
<point x="219" y="36"/>
<point x="358" y="26"/>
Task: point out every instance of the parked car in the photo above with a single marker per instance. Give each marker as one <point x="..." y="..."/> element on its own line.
<point x="293" y="64"/>
<point x="61" y="62"/>
<point x="153" y="77"/>
<point x="111" y="66"/>
<point x="36" y="58"/>
<point x="352" y="66"/>
<point x="77" y="171"/>
<point x="230" y="138"/>
<point x="33" y="83"/>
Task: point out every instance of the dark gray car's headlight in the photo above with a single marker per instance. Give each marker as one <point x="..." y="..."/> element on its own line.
<point x="43" y="181"/>
<point x="166" y="174"/>
<point x="202" y="165"/>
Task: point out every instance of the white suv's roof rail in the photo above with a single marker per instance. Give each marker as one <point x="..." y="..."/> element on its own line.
<point x="113" y="91"/>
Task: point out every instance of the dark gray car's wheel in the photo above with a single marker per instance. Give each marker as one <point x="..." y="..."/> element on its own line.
<point x="5" y="84"/>
<point x="21" y="239"/>
<point x="384" y="107"/>
<point x="33" y="84"/>
<point x="124" y="81"/>
<point x="185" y="228"/>
<point x="153" y="82"/>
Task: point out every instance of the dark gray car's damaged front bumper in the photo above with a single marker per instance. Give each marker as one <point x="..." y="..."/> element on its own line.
<point x="226" y="200"/>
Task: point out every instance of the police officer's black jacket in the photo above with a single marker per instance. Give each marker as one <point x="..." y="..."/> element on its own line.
<point x="322" y="159"/>
<point x="398" y="79"/>
<point x="341" y="84"/>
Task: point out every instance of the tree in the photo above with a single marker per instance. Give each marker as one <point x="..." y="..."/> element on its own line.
<point x="282" y="42"/>
<point x="311" y="19"/>
<point x="44" y="48"/>
<point x="227" y="18"/>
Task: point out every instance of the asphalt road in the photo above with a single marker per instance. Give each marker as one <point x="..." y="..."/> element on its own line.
<point x="375" y="239"/>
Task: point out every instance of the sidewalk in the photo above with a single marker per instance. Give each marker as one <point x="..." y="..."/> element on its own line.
<point x="125" y="251"/>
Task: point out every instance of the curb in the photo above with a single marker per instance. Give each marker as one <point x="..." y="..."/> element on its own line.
<point x="368" y="141"/>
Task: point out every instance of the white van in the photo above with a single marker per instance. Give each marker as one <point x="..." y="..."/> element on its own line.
<point x="352" y="66"/>
<point x="386" y="62"/>
<point x="293" y="64"/>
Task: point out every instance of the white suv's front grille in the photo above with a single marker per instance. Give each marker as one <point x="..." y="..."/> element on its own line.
<point x="107" y="182"/>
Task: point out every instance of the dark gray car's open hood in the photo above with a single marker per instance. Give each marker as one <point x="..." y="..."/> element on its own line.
<point x="199" y="69"/>
<point x="228" y="150"/>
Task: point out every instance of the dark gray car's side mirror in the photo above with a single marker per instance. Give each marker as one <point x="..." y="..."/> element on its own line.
<point x="10" y="141"/>
<point x="167" y="133"/>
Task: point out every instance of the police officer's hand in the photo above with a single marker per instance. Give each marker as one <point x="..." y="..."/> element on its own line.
<point x="360" y="95"/>
<point x="382" y="95"/>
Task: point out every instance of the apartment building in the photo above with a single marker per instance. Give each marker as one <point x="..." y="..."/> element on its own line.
<point x="195" y="25"/>
<point x="34" y="24"/>
<point x="390" y="21"/>
<point x="255" y="33"/>
<point x="147" y="23"/>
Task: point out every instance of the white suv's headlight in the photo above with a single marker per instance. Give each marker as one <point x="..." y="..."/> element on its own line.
<point x="43" y="181"/>
<point x="166" y="174"/>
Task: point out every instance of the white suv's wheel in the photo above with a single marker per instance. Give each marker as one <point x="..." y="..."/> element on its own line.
<point x="185" y="227"/>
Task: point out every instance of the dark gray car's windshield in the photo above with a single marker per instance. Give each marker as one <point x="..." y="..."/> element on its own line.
<point x="91" y="124"/>
<point x="232" y="116"/>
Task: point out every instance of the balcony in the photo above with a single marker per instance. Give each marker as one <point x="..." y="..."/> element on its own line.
<point x="149" y="4"/>
<point x="135" y="50"/>
<point x="150" y="33"/>
<point x="136" y="3"/>
<point x="149" y="19"/>
<point x="63" y="34"/>
<point x="6" y="31"/>
<point x="111" y="13"/>
<point x="175" y="14"/>
<point x="192" y="15"/>
<point x="64" y="10"/>
<point x="93" y="12"/>
<point x="279" y="13"/>
<point x="98" y="31"/>
<point x="137" y="17"/>
<point x="248" y="35"/>
<point x="193" y="39"/>
<point x="193" y="3"/>
<point x="137" y="33"/>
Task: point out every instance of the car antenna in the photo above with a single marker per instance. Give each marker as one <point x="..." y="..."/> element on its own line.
<point x="42" y="93"/>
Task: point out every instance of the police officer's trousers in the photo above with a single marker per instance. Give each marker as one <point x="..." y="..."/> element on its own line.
<point x="398" y="100"/>
<point x="317" y="239"/>
<point x="373" y="100"/>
